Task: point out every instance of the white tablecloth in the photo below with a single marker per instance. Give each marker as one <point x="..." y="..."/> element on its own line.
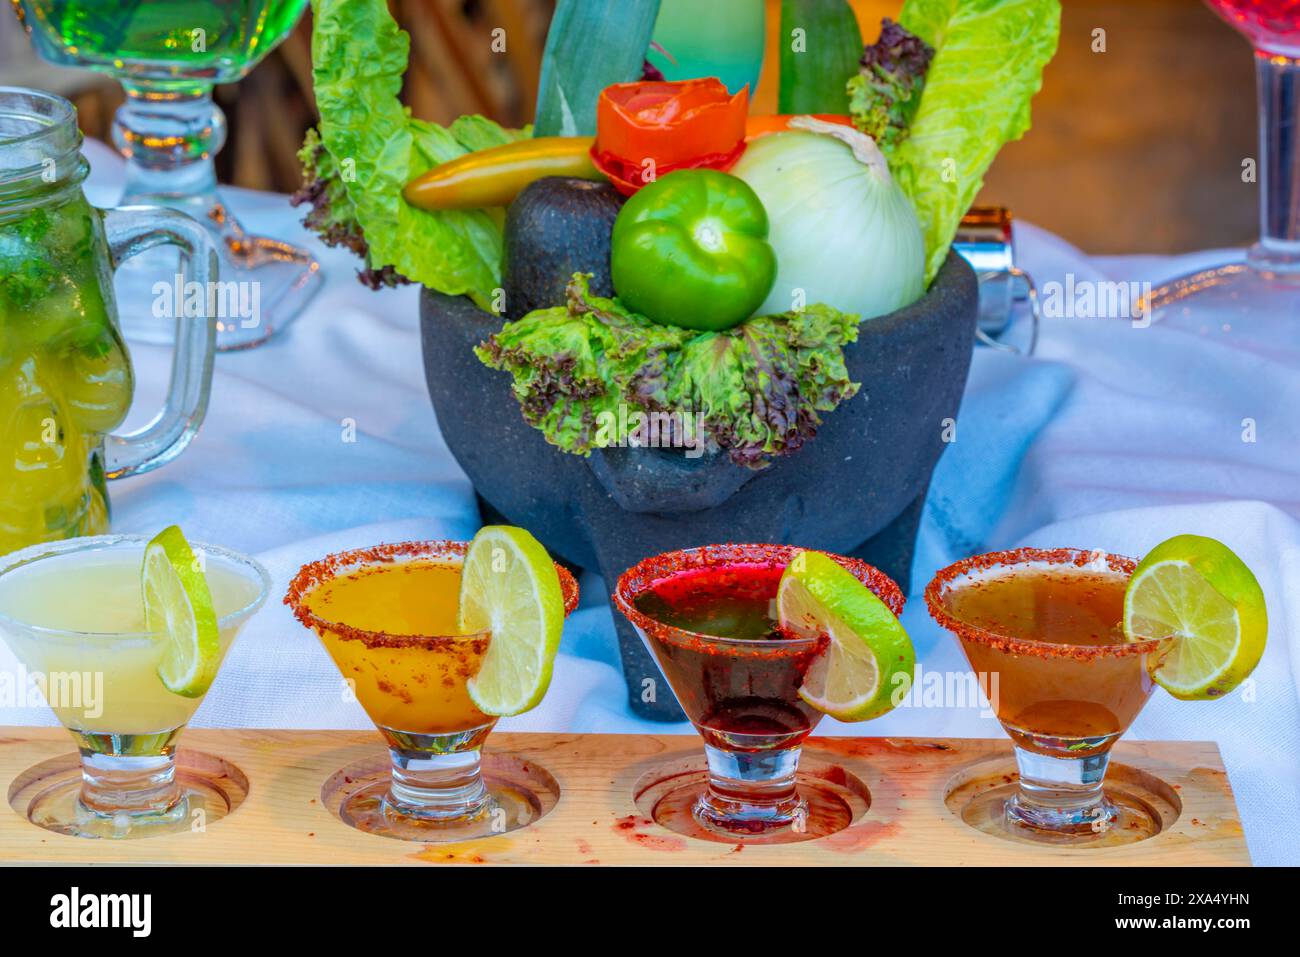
<point x="1109" y="439"/>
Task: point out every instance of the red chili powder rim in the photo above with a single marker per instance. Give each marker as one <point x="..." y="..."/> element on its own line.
<point x="315" y="574"/>
<point x="947" y="578"/>
<point x="651" y="571"/>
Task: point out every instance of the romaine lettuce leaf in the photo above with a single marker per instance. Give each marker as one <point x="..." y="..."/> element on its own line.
<point x="358" y="58"/>
<point x="988" y="64"/>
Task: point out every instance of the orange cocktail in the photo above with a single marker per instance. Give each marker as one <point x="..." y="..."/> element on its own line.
<point x="1088" y="685"/>
<point x="389" y="617"/>
<point x="401" y="679"/>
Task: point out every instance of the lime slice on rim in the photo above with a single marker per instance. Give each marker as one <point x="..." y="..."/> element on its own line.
<point x="859" y="673"/>
<point x="177" y="604"/>
<point x="509" y="587"/>
<point x="1197" y="590"/>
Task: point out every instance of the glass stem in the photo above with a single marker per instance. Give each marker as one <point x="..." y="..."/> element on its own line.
<point x="1278" y="81"/>
<point x="751" y="790"/>
<point x="1062" y="794"/>
<point x="442" y="787"/>
<point x="169" y="136"/>
<point x="113" y="784"/>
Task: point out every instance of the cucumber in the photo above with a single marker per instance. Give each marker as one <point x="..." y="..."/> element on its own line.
<point x="817" y="63"/>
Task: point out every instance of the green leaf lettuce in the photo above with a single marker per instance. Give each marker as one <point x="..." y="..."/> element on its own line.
<point x="756" y="389"/>
<point x="886" y="91"/>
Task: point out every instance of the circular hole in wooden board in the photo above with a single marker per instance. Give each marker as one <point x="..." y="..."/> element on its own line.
<point x="523" y="792"/>
<point x="977" y="794"/>
<point x="836" y="798"/>
<point x="46" y="794"/>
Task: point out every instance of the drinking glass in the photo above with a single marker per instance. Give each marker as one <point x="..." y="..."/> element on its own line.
<point x="168" y="54"/>
<point x="72" y="614"/>
<point x="742" y="694"/>
<point x="65" y="376"/>
<point x="413" y="686"/>
<point x="1250" y="305"/>
<point x="1063" y="696"/>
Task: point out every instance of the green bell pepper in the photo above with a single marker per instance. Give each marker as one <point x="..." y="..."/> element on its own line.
<point x="691" y="250"/>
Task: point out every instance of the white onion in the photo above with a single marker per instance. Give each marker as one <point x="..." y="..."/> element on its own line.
<point x="843" y="231"/>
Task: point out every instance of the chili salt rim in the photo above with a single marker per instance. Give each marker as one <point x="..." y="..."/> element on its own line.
<point x="658" y="568"/>
<point x="1078" y="557"/>
<point x="314" y="574"/>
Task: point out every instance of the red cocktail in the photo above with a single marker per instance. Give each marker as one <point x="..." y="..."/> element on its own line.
<point x="1271" y="25"/>
<point x="744" y="697"/>
<point x="707" y="616"/>
<point x="1251" y="305"/>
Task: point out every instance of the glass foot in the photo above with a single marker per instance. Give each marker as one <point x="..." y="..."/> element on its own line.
<point x="828" y="800"/>
<point x="721" y="812"/>
<point x="518" y="793"/>
<point x="264" y="283"/>
<point x="1136" y="806"/>
<point x="1239" y="306"/>
<point x="1123" y="819"/>
<point x="1101" y="815"/>
<point x="49" y="795"/>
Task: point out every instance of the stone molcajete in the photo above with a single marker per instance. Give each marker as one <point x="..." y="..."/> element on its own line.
<point x="856" y="489"/>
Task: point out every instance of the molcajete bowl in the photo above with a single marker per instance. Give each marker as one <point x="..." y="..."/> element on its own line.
<point x="857" y="488"/>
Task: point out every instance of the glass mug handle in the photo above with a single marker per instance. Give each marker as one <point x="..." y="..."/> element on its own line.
<point x="131" y="230"/>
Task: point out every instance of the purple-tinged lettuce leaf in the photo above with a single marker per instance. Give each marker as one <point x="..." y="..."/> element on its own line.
<point x="885" y="93"/>
<point x="756" y="389"/>
<point x="565" y="361"/>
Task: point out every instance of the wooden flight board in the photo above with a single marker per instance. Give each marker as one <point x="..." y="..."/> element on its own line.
<point x="906" y="797"/>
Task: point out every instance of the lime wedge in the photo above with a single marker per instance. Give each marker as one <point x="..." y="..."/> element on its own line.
<point x="869" y="657"/>
<point x="1198" y="591"/>
<point x="177" y="604"/>
<point x="509" y="587"/>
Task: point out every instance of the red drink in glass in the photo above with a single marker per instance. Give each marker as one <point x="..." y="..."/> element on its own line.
<point x="706" y="615"/>
<point x="744" y="697"/>
<point x="1251" y="305"/>
<point x="1271" y="25"/>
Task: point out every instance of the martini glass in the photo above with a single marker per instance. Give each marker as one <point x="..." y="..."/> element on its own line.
<point x="387" y="616"/>
<point x="705" y="615"/>
<point x="1252" y="305"/>
<point x="168" y="54"/>
<point x="1044" y="628"/>
<point x="72" y="614"/>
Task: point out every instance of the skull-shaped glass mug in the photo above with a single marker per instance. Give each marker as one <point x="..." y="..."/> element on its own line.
<point x="65" y="375"/>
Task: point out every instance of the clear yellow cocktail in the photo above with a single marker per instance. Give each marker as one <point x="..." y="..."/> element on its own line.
<point x="124" y="635"/>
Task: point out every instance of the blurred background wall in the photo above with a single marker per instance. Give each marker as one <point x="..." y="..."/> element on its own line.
<point x="1134" y="149"/>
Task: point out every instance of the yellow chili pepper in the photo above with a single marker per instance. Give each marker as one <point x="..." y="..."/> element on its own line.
<point x="493" y="177"/>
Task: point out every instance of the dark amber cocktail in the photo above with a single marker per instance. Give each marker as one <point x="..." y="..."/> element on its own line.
<point x="1044" y="630"/>
<point x="1082" y="688"/>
